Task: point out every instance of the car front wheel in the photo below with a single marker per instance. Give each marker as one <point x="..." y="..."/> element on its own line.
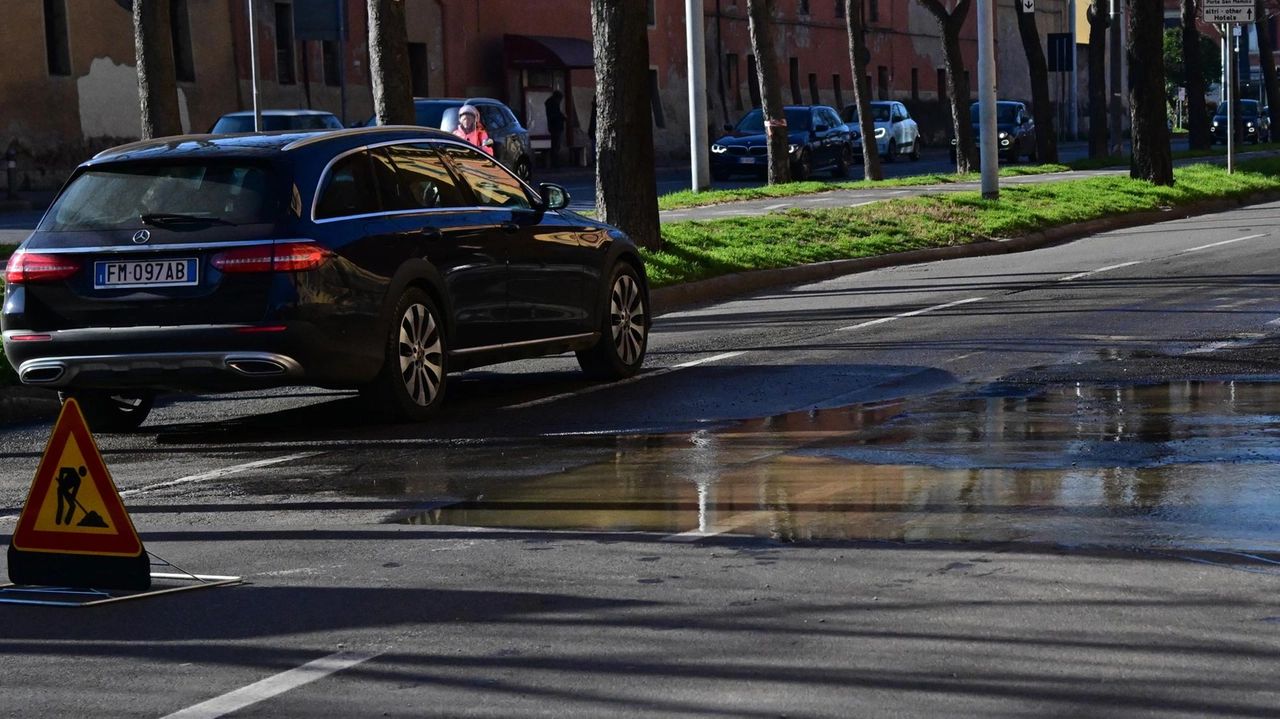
<point x="411" y="384"/>
<point x="624" y="328"/>
<point x="112" y="410"/>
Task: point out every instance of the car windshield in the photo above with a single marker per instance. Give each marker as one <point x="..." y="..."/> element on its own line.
<point x="1248" y="108"/>
<point x="879" y="113"/>
<point x="1005" y="114"/>
<point x="753" y="122"/>
<point x="431" y="114"/>
<point x="130" y="197"/>
<point x="235" y="124"/>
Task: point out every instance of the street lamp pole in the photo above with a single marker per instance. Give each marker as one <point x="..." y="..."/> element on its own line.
<point x="697" y="70"/>
<point x="253" y="65"/>
<point x="990" y="158"/>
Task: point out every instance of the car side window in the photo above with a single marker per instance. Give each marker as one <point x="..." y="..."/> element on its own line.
<point x="491" y="183"/>
<point x="903" y="112"/>
<point x="492" y="117"/>
<point x="349" y="189"/>
<point x="392" y="189"/>
<point x="425" y="177"/>
<point x="832" y="118"/>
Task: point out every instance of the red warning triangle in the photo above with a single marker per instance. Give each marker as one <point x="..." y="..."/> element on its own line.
<point x="73" y="506"/>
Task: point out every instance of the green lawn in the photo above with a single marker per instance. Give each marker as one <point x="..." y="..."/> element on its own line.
<point x="696" y="250"/>
<point x="1215" y="151"/>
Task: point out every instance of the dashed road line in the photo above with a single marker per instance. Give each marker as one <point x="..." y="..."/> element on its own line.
<point x="215" y="474"/>
<point x="912" y="313"/>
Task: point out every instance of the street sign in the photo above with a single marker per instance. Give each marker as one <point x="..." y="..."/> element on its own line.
<point x="1235" y="13"/>
<point x="1027" y="5"/>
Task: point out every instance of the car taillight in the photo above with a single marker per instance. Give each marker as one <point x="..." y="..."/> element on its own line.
<point x="277" y="257"/>
<point x="29" y="267"/>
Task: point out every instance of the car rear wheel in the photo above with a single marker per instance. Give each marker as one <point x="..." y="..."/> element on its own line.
<point x="892" y="154"/>
<point x="915" y="150"/>
<point x="107" y="410"/>
<point x="411" y="384"/>
<point x="624" y="328"/>
<point x="802" y="167"/>
<point x="844" y="163"/>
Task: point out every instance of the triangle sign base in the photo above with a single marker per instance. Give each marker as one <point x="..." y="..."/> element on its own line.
<point x="80" y="571"/>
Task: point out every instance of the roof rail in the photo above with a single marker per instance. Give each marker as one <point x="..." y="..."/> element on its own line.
<point x="348" y="132"/>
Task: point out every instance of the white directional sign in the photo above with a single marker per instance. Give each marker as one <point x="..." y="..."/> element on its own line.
<point x="1026" y="5"/>
<point x="1236" y="14"/>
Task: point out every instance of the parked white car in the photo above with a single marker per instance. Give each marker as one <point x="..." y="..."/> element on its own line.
<point x="896" y="133"/>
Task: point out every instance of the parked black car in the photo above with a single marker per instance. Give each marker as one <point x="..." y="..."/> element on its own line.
<point x="275" y="120"/>
<point x="510" y="138"/>
<point x="819" y="141"/>
<point x="1015" y="131"/>
<point x="1255" y="122"/>
<point x="377" y="258"/>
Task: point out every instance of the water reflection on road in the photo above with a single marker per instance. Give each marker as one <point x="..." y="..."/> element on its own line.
<point x="1187" y="464"/>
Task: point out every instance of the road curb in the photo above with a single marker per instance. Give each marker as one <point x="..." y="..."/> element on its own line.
<point x="25" y="404"/>
<point x="670" y="299"/>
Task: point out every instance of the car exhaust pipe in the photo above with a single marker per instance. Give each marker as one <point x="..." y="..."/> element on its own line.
<point x="43" y="375"/>
<point x="257" y="367"/>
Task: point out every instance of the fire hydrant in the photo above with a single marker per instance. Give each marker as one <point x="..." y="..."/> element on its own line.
<point x="11" y="170"/>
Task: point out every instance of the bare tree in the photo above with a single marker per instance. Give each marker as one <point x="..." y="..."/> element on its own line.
<point x="1267" y="60"/>
<point x="1099" y="21"/>
<point x="862" y="89"/>
<point x="1148" y="112"/>
<point x="157" y="75"/>
<point x="1193" y="72"/>
<point x="760" y="13"/>
<point x="950" y="23"/>
<point x="389" y="63"/>
<point x="626" y="187"/>
<point x="1041" y="105"/>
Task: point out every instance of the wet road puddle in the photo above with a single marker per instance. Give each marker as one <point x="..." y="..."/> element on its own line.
<point x="1186" y="464"/>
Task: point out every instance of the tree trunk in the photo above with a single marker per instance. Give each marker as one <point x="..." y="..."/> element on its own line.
<point x="862" y="90"/>
<point x="1152" y="160"/>
<point x="389" y="63"/>
<point x="1267" y="61"/>
<point x="157" y="76"/>
<point x="1193" y="70"/>
<point x="1098" y="24"/>
<point x="1041" y="105"/>
<point x="950" y="25"/>
<point x="775" y="117"/>
<point x="626" y="187"/>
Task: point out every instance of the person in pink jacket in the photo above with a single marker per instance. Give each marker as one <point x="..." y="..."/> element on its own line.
<point x="470" y="129"/>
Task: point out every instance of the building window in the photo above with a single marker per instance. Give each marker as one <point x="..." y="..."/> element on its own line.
<point x="835" y="85"/>
<point x="735" y="80"/>
<point x="753" y="81"/>
<point x="813" y="88"/>
<point x="655" y="99"/>
<point x="795" y="81"/>
<point x="180" y="25"/>
<point x="873" y="10"/>
<point x="882" y="82"/>
<point x="419" y="76"/>
<point x="653" y="13"/>
<point x="839" y="8"/>
<point x="942" y="84"/>
<point x="332" y="61"/>
<point x="284" y="44"/>
<point x="804" y="7"/>
<point x="915" y="84"/>
<point x="56" y="43"/>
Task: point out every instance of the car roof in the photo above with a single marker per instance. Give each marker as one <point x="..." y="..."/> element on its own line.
<point x="263" y="145"/>
<point x="459" y="100"/>
<point x="281" y="113"/>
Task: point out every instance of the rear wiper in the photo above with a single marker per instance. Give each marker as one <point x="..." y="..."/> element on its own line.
<point x="173" y="218"/>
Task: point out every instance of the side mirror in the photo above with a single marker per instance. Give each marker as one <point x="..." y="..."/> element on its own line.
<point x="821" y="128"/>
<point x="554" y="197"/>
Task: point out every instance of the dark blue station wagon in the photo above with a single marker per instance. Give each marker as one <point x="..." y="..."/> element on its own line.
<point x="377" y="258"/>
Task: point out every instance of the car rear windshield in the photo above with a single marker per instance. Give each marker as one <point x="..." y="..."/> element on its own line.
<point x="753" y="122"/>
<point x="1005" y="114"/>
<point x="134" y="196"/>
<point x="241" y="123"/>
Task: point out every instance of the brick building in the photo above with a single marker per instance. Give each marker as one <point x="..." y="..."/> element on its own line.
<point x="68" y="84"/>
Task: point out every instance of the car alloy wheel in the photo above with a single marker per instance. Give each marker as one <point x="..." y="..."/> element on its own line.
<point x="624" y="328"/>
<point x="421" y="355"/>
<point x="627" y="317"/>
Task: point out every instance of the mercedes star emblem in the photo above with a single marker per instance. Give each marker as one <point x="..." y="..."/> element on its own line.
<point x="141" y="236"/>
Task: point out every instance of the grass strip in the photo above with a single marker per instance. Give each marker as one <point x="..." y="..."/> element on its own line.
<point x="687" y="198"/>
<point x="695" y="250"/>
<point x="1103" y="163"/>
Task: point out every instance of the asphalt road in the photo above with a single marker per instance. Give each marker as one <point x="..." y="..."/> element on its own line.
<point x="806" y="587"/>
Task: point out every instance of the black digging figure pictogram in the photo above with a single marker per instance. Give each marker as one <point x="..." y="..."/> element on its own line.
<point x="68" y="486"/>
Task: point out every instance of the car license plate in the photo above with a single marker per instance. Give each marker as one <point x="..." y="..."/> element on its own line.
<point x="145" y="273"/>
<point x="747" y="160"/>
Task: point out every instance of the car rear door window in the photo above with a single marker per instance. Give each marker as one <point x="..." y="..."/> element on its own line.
<point x="492" y="117"/>
<point x="491" y="184"/>
<point x="425" y="177"/>
<point x="349" y="189"/>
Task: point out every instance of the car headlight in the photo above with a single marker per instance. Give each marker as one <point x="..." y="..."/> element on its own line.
<point x="1215" y="123"/>
<point x="1249" y="124"/>
<point x="718" y="149"/>
<point x="880" y="133"/>
<point x="1004" y="142"/>
<point x="1003" y="135"/>
<point x="855" y="134"/>
<point x="793" y="149"/>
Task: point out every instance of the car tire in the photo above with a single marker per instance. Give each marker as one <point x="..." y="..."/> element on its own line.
<point x="623" y="322"/>
<point x="915" y="150"/>
<point x="844" y="164"/>
<point x="523" y="169"/>
<point x="411" y="385"/>
<point x="111" y="411"/>
<point x="802" y="167"/>
<point x="892" y="153"/>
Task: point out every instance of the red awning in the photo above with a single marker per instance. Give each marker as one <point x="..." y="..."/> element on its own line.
<point x="543" y="51"/>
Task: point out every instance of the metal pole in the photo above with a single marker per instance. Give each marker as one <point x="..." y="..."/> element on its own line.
<point x="1117" y="137"/>
<point x="1231" y="110"/>
<point x="253" y="65"/>
<point x="342" y="57"/>
<point x="700" y="173"/>
<point x="1073" y="94"/>
<point x="990" y="160"/>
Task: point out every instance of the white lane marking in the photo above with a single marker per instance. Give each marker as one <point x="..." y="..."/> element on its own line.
<point x="1223" y="345"/>
<point x="912" y="313"/>
<point x="1108" y="268"/>
<point x="273" y="686"/>
<point x="1224" y="242"/>
<point x="778" y="206"/>
<point x="707" y="360"/>
<point x="206" y="476"/>
<point x="868" y="202"/>
<point x="611" y="385"/>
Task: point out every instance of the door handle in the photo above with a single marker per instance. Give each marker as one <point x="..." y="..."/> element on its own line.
<point x="509" y="227"/>
<point x="430" y="233"/>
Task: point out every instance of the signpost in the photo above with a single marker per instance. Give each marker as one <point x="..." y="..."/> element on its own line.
<point x="1225" y="13"/>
